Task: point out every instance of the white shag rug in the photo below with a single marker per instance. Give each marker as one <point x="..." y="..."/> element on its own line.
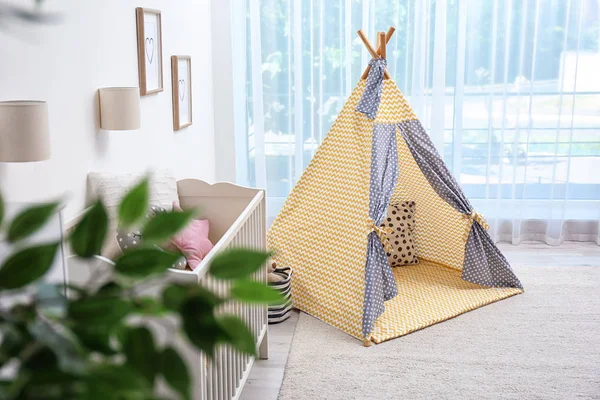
<point x="543" y="344"/>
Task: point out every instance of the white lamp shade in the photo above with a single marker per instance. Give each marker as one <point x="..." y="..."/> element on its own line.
<point x="119" y="108"/>
<point x="24" y="133"/>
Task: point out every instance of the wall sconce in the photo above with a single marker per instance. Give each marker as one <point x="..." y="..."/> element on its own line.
<point x="119" y="108"/>
<point x="24" y="132"/>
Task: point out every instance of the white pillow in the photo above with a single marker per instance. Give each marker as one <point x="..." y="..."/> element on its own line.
<point x="112" y="187"/>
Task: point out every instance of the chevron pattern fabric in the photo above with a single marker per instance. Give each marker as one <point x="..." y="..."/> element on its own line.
<point x="393" y="107"/>
<point x="430" y="293"/>
<point x="323" y="226"/>
<point x="439" y="232"/>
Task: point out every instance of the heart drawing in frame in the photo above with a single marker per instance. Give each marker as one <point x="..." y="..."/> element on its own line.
<point x="181" y="89"/>
<point x="150" y="49"/>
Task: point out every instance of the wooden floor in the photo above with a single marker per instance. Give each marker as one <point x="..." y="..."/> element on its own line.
<point x="266" y="375"/>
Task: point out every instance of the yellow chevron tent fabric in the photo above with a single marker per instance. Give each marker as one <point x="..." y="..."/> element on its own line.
<point x="322" y="230"/>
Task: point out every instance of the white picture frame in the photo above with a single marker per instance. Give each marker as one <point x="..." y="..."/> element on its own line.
<point x="181" y="72"/>
<point x="149" y="46"/>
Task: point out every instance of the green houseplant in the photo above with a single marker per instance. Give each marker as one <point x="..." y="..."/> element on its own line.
<point x="87" y="345"/>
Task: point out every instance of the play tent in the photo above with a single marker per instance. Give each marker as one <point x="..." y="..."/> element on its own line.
<point x="378" y="153"/>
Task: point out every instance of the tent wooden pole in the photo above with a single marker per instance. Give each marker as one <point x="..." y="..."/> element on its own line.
<point x="388" y="36"/>
<point x="381" y="47"/>
<point x="367" y="44"/>
<point x="371" y="50"/>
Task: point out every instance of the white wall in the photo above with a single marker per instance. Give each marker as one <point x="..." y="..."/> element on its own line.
<point x="94" y="46"/>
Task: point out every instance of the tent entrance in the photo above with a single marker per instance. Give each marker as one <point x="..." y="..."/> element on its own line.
<point x="429" y="293"/>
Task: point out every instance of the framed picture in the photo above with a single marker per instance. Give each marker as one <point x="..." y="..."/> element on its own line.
<point x="149" y="44"/>
<point x="181" y="71"/>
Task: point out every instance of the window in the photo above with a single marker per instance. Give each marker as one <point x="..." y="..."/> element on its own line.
<point x="508" y="90"/>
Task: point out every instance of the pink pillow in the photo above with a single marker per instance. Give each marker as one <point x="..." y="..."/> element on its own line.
<point x="193" y="241"/>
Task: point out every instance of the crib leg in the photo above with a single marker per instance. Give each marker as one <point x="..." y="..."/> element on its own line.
<point x="263" y="348"/>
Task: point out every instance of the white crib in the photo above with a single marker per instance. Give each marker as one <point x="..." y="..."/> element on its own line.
<point x="237" y="218"/>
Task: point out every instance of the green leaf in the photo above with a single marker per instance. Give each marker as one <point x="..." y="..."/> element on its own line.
<point x="109" y="289"/>
<point x="149" y="306"/>
<point x="255" y="292"/>
<point x="23" y="314"/>
<point x="144" y="262"/>
<point x="175" y="372"/>
<point x="89" y="234"/>
<point x="14" y="340"/>
<point x="95" y="338"/>
<point x="106" y="311"/>
<point x="42" y="358"/>
<point x="110" y="381"/>
<point x="237" y="334"/>
<point x="237" y="263"/>
<point x="63" y="343"/>
<point x="12" y="389"/>
<point x="200" y="325"/>
<point x="176" y="294"/>
<point x="27" y="265"/>
<point x="30" y="220"/>
<point x="52" y="383"/>
<point x="165" y="225"/>
<point x="140" y="351"/>
<point x="134" y="205"/>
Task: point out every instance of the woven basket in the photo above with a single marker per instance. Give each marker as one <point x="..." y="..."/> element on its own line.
<point x="280" y="312"/>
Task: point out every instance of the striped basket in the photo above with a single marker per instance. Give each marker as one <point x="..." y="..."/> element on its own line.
<point x="280" y="312"/>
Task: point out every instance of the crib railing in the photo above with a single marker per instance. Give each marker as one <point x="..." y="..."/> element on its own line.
<point x="228" y="371"/>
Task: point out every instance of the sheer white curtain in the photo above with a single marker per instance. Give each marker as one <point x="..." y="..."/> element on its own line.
<point x="509" y="91"/>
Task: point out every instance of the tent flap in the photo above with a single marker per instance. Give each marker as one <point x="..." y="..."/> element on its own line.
<point x="379" y="280"/>
<point x="484" y="264"/>
<point x="369" y="102"/>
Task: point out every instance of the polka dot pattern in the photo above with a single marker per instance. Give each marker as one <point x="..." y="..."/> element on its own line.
<point x="379" y="280"/>
<point x="483" y="263"/>
<point x="400" y="220"/>
<point x="369" y="102"/>
<point x="129" y="239"/>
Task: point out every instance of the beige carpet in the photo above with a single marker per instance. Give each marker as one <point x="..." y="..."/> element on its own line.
<point x="543" y="344"/>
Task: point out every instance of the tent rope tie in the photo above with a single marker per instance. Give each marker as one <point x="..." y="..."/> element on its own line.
<point x="371" y="97"/>
<point x="382" y="232"/>
<point x="476" y="217"/>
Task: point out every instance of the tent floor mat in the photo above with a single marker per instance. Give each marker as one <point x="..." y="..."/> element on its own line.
<point x="429" y="293"/>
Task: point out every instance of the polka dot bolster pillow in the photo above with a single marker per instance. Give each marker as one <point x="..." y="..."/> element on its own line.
<point x="129" y="239"/>
<point x="401" y="220"/>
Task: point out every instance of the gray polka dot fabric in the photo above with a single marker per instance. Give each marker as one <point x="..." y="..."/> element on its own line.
<point x="129" y="239"/>
<point x="379" y="279"/>
<point x="484" y="264"/>
<point x="371" y="97"/>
